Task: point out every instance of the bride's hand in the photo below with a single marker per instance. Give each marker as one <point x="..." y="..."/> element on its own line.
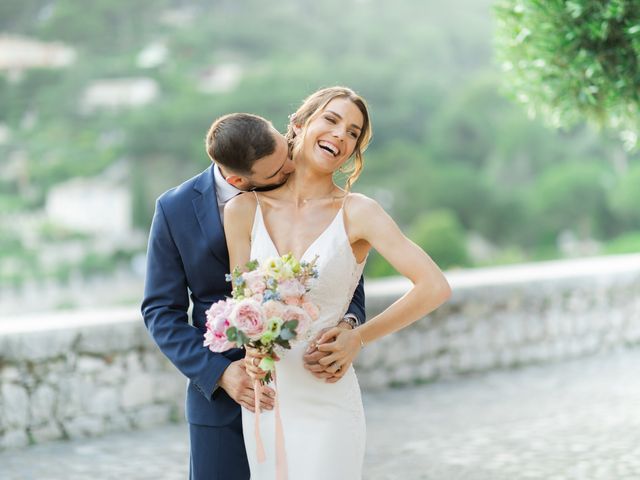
<point x="342" y="351"/>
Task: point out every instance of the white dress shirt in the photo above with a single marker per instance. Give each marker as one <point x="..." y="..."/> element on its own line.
<point x="224" y="191"/>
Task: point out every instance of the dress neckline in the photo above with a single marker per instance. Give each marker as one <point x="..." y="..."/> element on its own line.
<point x="322" y="234"/>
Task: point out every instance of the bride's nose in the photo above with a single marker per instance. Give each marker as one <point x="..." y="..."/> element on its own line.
<point x="339" y="133"/>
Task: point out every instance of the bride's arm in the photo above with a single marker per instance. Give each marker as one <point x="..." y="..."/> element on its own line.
<point x="239" y="213"/>
<point x="238" y="222"/>
<point x="369" y="222"/>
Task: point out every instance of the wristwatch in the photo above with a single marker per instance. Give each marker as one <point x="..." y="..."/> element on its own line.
<point x="351" y="320"/>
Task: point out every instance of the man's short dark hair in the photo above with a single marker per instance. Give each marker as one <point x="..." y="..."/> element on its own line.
<point x="237" y="140"/>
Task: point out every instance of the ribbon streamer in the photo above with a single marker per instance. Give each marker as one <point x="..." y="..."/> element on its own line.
<point x="282" y="472"/>
<point x="257" y="390"/>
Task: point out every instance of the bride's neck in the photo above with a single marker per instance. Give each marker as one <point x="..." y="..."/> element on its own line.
<point x="304" y="186"/>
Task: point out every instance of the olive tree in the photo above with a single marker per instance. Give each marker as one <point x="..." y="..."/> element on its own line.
<point x="573" y="60"/>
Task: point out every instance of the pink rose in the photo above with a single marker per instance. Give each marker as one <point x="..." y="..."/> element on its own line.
<point x="291" y="291"/>
<point x="218" y="315"/>
<point x="311" y="309"/>
<point x="255" y="281"/>
<point x="273" y="309"/>
<point x="217" y="341"/>
<point x="292" y="312"/>
<point x="248" y="316"/>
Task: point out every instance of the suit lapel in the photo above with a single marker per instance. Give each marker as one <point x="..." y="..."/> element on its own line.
<point x="206" y="210"/>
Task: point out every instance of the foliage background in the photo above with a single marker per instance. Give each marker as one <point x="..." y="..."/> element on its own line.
<point x="463" y="170"/>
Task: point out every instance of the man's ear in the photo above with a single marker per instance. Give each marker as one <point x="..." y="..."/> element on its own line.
<point x="237" y="181"/>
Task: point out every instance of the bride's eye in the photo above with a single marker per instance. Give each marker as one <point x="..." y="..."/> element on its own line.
<point x="330" y="119"/>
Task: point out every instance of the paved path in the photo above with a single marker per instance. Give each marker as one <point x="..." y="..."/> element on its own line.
<point x="578" y="420"/>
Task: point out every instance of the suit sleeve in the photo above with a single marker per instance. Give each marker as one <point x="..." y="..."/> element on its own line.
<point x="164" y="309"/>
<point x="357" y="303"/>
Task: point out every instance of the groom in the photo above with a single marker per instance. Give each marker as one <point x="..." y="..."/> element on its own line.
<point x="187" y="258"/>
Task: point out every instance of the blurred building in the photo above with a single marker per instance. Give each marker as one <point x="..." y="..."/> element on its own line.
<point x="21" y="53"/>
<point x="113" y="94"/>
<point x="220" y="78"/>
<point x="99" y="205"/>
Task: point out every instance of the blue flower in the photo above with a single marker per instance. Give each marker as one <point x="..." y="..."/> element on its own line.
<point x="270" y="295"/>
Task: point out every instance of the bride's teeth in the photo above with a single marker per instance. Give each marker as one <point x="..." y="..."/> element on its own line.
<point x="328" y="147"/>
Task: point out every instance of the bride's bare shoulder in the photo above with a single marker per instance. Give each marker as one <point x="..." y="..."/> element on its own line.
<point x="358" y="205"/>
<point x="363" y="216"/>
<point x="241" y="204"/>
<point x="240" y="210"/>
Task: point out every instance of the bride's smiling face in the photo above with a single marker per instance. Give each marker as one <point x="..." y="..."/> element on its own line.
<point x="331" y="136"/>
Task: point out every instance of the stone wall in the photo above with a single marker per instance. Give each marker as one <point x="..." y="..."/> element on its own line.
<point x="508" y="317"/>
<point x="82" y="374"/>
<point x="85" y="373"/>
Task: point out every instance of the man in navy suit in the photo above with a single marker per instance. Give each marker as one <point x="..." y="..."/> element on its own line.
<point x="187" y="258"/>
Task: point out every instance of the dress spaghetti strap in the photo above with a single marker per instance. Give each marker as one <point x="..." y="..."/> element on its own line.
<point x="257" y="199"/>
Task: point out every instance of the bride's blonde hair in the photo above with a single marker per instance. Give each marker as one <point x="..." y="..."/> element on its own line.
<point x="312" y="106"/>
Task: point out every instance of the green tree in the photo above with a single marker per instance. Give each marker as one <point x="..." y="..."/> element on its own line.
<point x="440" y="234"/>
<point x="625" y="197"/>
<point x="571" y="196"/>
<point x="573" y="60"/>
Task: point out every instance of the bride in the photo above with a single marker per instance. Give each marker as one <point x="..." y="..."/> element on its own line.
<point x="323" y="420"/>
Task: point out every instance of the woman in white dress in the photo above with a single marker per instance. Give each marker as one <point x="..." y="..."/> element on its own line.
<point x="309" y="216"/>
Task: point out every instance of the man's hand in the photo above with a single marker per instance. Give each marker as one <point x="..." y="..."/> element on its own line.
<point x="239" y="386"/>
<point x="313" y="356"/>
<point x="252" y="359"/>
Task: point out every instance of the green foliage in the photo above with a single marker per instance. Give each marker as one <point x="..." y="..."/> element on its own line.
<point x="571" y="196"/>
<point x="573" y="60"/>
<point x="441" y="235"/>
<point x="444" y="138"/>
<point x="625" y="197"/>
<point x="627" y="243"/>
<point x="109" y="27"/>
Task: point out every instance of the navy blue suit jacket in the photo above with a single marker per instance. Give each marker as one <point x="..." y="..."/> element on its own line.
<point x="187" y="255"/>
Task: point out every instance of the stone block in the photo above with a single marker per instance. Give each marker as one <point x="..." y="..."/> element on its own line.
<point x="103" y="402"/>
<point x="403" y="374"/>
<point x="89" y="364"/>
<point x="150" y="415"/>
<point x="42" y="404"/>
<point x="168" y="387"/>
<point x="84" y="426"/>
<point x="46" y="432"/>
<point x="369" y="357"/>
<point x="17" y="438"/>
<point x="133" y="363"/>
<point x="112" y="374"/>
<point x="374" y="380"/>
<point x="427" y="371"/>
<point x="74" y="393"/>
<point x="10" y="374"/>
<point x="137" y="391"/>
<point x="104" y="339"/>
<point x="39" y="347"/>
<point x="117" y="422"/>
<point x="15" y="401"/>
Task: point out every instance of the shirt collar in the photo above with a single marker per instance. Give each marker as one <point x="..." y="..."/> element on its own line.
<point x="224" y="190"/>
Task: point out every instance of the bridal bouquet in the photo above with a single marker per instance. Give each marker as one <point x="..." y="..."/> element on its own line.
<point x="268" y="308"/>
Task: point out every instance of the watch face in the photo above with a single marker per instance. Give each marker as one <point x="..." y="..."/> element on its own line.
<point x="351" y="321"/>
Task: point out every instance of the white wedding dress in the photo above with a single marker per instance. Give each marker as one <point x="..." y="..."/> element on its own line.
<point x="323" y="423"/>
